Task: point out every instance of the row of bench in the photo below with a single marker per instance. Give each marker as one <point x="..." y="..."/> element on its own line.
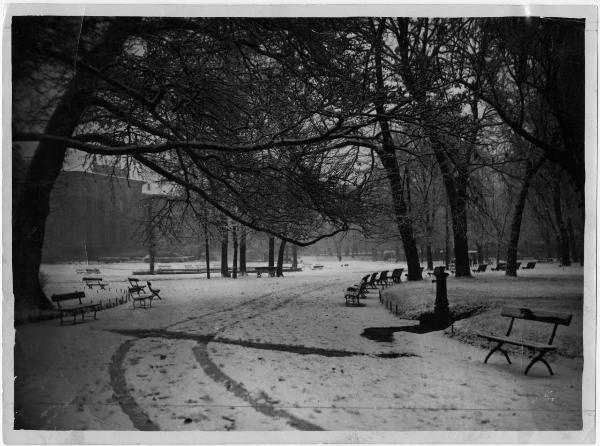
<point x="136" y="292"/>
<point x="359" y="291"/>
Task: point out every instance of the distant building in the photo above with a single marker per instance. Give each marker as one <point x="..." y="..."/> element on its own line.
<point x="94" y="214"/>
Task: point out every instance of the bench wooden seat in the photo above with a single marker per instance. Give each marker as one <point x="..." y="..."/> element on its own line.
<point x="397" y="275"/>
<point x="520" y="342"/>
<point x="137" y="289"/>
<point x="383" y="279"/>
<point x="143" y="300"/>
<point x="550" y="317"/>
<point x="155" y="291"/>
<point x="91" y="282"/>
<point x="372" y="281"/>
<point x="74" y="310"/>
<point x="355" y="293"/>
<point x="365" y="280"/>
<point x="135" y="282"/>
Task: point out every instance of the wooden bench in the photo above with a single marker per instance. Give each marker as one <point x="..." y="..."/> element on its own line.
<point x="91" y="282"/>
<point x="550" y="317"/>
<point x="397" y="275"/>
<point x="260" y="270"/>
<point x="530" y="265"/>
<point x="355" y="293"/>
<point x="372" y="281"/>
<point x="81" y="308"/>
<point x="383" y="279"/>
<point x="135" y="283"/>
<point x="155" y="291"/>
<point x="365" y="279"/>
<point x="143" y="300"/>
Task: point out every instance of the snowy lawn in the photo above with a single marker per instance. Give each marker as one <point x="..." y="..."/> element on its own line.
<point x="546" y="287"/>
<point x="286" y="353"/>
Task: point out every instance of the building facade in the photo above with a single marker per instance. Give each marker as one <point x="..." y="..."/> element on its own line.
<point x="93" y="215"/>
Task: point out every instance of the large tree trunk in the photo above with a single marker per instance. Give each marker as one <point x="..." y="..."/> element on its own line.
<point x="235" y="251"/>
<point x="280" y="259"/>
<point x="447" y="237"/>
<point x="455" y="184"/>
<point x="387" y="154"/>
<point x="294" y="256"/>
<point x="403" y="220"/>
<point x="563" y="236"/>
<point x="515" y="226"/>
<point x="458" y="206"/>
<point x="429" y="217"/>
<point x="243" y="251"/>
<point x="429" y="254"/>
<point x="31" y="208"/>
<point x="224" y="248"/>
<point x="271" y="252"/>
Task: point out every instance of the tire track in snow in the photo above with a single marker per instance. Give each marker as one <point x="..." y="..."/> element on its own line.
<point x="263" y="405"/>
<point x="118" y="382"/>
<point x="139" y="418"/>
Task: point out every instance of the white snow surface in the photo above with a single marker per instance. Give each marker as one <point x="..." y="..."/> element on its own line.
<point x="259" y="354"/>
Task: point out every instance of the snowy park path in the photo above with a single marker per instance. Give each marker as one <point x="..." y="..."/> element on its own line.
<point x="274" y="354"/>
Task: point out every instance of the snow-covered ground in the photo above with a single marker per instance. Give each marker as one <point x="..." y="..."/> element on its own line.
<point x="268" y="354"/>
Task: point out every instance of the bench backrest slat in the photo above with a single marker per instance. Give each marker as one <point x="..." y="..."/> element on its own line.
<point x="537" y="315"/>
<point x="92" y="278"/>
<point x="67" y="296"/>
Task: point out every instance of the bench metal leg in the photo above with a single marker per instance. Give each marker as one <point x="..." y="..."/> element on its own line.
<point x="539" y="357"/>
<point x="497" y="348"/>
